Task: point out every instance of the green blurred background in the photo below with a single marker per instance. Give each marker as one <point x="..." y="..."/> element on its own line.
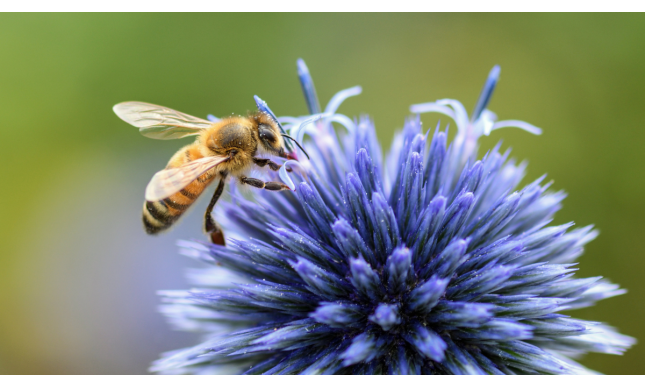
<point x="78" y="275"/>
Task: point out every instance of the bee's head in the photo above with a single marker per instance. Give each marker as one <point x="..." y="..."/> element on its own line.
<point x="269" y="135"/>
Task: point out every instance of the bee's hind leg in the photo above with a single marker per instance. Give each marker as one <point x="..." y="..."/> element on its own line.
<point x="269" y="185"/>
<point x="210" y="226"/>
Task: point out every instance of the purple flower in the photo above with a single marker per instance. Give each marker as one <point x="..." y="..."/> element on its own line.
<point x="432" y="262"/>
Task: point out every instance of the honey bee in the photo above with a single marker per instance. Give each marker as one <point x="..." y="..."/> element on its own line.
<point x="228" y="148"/>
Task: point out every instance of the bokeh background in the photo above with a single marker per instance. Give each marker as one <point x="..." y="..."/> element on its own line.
<point x="78" y="275"/>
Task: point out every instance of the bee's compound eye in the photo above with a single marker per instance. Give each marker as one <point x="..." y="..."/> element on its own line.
<point x="266" y="133"/>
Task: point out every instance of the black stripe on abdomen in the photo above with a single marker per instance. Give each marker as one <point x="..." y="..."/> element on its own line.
<point x="188" y="194"/>
<point x="174" y="205"/>
<point x="156" y="219"/>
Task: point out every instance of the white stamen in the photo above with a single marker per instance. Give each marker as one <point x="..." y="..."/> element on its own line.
<point x="517" y="124"/>
<point x="345" y="121"/>
<point x="298" y="132"/>
<point x="284" y="175"/>
<point x="341" y="96"/>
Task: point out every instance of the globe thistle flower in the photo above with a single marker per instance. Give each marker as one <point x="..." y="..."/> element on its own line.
<point x="430" y="262"/>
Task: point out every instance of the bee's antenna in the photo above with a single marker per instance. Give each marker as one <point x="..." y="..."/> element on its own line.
<point x="294" y="140"/>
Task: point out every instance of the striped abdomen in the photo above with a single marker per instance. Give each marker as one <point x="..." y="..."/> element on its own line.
<point x="158" y="216"/>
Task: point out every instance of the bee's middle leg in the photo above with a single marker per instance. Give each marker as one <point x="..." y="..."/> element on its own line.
<point x="269" y="185"/>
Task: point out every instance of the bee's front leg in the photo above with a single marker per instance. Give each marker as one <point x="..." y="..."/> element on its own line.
<point x="264" y="162"/>
<point x="269" y="185"/>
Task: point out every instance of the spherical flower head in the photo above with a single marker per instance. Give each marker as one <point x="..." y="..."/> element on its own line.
<point x="432" y="262"/>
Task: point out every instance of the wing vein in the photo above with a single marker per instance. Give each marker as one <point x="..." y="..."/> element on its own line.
<point x="160" y="122"/>
<point x="170" y="181"/>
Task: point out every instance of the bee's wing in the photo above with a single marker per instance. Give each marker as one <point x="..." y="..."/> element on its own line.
<point x="160" y="122"/>
<point x="170" y="181"/>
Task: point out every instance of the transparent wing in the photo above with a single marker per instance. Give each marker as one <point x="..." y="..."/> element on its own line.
<point x="170" y="181"/>
<point x="160" y="122"/>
